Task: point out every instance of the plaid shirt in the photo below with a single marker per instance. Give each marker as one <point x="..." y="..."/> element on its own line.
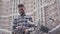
<point x="22" y="21"/>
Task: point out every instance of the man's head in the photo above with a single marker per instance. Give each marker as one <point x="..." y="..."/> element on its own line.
<point x="21" y="9"/>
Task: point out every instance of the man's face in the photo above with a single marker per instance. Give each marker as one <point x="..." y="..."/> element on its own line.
<point x="21" y="10"/>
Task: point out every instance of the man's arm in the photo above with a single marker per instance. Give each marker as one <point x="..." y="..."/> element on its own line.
<point x="30" y="20"/>
<point x="14" y="24"/>
<point x="31" y="24"/>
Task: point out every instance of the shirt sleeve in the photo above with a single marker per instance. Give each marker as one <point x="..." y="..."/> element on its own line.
<point x="30" y="24"/>
<point x="30" y="19"/>
<point x="14" y="24"/>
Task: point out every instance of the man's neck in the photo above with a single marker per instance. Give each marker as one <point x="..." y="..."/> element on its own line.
<point x="22" y="14"/>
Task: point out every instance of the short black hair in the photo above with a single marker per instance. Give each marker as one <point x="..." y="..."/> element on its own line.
<point x="20" y="5"/>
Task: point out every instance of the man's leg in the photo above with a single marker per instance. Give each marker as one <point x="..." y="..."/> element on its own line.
<point x="13" y="33"/>
<point x="27" y="31"/>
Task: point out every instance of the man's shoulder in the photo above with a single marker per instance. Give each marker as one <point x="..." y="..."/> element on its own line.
<point x="28" y="16"/>
<point x="15" y="17"/>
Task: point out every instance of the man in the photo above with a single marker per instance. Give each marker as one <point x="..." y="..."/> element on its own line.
<point x="22" y="20"/>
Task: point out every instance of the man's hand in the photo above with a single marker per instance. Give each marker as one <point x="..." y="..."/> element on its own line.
<point x="26" y="31"/>
<point x="18" y="27"/>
